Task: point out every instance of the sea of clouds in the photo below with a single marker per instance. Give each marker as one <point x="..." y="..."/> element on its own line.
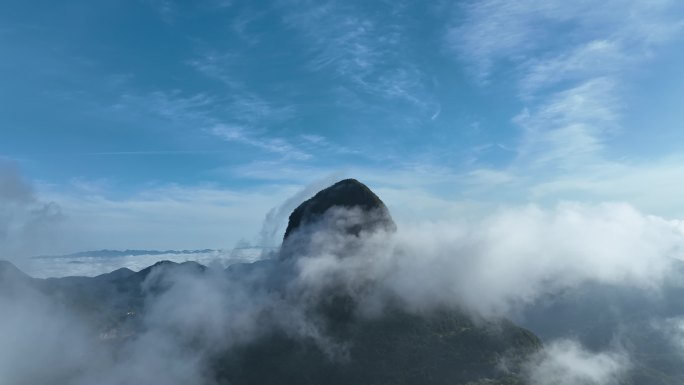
<point x="94" y="265"/>
<point x="491" y="267"/>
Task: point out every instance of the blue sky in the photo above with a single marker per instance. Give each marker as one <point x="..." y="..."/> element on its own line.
<point x="170" y="124"/>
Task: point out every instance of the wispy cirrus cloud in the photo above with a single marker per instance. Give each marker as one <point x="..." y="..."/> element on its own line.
<point x="171" y="105"/>
<point x="234" y="133"/>
<point x="357" y="47"/>
<point x="246" y="114"/>
<point x="570" y="127"/>
<point x="595" y="58"/>
<point x="175" y="105"/>
<point x="491" y="32"/>
<point x="306" y="148"/>
<point x="238" y="118"/>
<point x="217" y="65"/>
<point x="572" y="63"/>
<point x="252" y="108"/>
<point x="343" y="39"/>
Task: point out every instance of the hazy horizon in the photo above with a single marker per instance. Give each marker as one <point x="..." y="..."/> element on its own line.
<point x="167" y="124"/>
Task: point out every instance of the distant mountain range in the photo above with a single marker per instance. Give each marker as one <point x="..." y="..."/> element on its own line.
<point x="122" y="253"/>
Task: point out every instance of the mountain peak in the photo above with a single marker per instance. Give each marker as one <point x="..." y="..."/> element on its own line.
<point x="347" y="193"/>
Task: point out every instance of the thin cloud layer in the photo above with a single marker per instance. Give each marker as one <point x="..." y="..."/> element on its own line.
<point x="27" y="223"/>
<point x="565" y="362"/>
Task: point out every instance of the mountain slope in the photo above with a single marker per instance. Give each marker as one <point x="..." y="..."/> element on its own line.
<point x="343" y="345"/>
<point x="444" y="347"/>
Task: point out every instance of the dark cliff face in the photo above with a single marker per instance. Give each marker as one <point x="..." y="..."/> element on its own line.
<point x="345" y="194"/>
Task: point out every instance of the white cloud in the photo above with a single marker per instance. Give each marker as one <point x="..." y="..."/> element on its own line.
<point x="649" y="185"/>
<point x="165" y="217"/>
<point x="43" y="341"/>
<point x="573" y="61"/>
<point x="498" y="265"/>
<point x="519" y="255"/>
<point x="497" y="30"/>
<point x="492" y="266"/>
<point x="91" y="266"/>
<point x="594" y="59"/>
<point x="210" y="216"/>
<point x="571" y="127"/>
<point x="565" y="362"/>
<point x="37" y="351"/>
<point x="272" y="228"/>
<point x="28" y="223"/>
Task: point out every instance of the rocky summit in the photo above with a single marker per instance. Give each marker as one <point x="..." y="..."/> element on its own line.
<point x="346" y="194"/>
